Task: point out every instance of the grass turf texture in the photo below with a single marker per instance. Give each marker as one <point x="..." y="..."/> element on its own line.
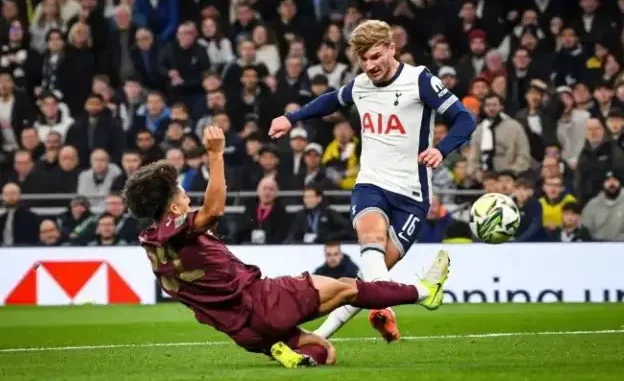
<point x="523" y="357"/>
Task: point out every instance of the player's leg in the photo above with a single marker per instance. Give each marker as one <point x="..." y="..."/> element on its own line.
<point x="368" y="205"/>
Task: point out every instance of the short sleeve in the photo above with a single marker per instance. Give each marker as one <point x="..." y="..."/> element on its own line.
<point x="345" y="94"/>
<point x="433" y="93"/>
<point x="172" y="226"/>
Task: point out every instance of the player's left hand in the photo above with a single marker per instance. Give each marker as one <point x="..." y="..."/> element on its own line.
<point x="431" y="157"/>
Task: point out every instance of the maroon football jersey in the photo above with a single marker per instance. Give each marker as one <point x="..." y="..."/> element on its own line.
<point x="197" y="269"/>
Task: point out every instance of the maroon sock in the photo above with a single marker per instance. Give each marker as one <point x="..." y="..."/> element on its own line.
<point x="377" y="295"/>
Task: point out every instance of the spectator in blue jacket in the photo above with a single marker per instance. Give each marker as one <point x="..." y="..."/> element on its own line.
<point x="161" y="16"/>
<point x="433" y="230"/>
<point x="531" y="227"/>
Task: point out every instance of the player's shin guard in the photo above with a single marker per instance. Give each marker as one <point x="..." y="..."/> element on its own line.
<point x="336" y="319"/>
<point x="381" y="294"/>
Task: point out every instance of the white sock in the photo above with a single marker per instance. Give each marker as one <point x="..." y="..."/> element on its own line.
<point x="373" y="263"/>
<point x="336" y="319"/>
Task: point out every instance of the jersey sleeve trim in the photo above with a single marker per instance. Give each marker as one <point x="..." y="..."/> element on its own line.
<point x="447" y="103"/>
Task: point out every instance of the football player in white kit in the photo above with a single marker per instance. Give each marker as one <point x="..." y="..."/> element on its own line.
<point x="397" y="104"/>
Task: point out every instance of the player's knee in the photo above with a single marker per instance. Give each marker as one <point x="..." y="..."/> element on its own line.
<point x="373" y="237"/>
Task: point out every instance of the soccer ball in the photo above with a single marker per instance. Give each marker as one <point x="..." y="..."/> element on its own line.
<point x="494" y="218"/>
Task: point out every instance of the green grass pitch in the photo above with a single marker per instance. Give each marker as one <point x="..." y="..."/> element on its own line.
<point x="453" y="343"/>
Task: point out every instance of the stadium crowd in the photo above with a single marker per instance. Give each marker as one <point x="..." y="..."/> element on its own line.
<point x="91" y="90"/>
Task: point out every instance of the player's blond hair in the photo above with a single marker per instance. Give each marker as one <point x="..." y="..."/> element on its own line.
<point x="368" y="34"/>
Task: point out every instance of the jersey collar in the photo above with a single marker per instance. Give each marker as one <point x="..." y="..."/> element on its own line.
<point x="394" y="77"/>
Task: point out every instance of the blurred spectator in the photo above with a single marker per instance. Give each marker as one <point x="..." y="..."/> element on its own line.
<point x="463" y="182"/>
<point x="558" y="167"/>
<point x="592" y="24"/>
<point x="123" y="32"/>
<point x="491" y="183"/>
<point x="473" y="62"/>
<point x="96" y="130"/>
<point x="29" y="141"/>
<point x="337" y="264"/>
<point x="314" y="173"/>
<point x="553" y="201"/>
<point x="336" y="72"/>
<point x="126" y="226"/>
<point x="232" y="73"/>
<point x="68" y="9"/>
<point x="605" y="102"/>
<point x="571" y="123"/>
<point x="49" y="160"/>
<point x="433" y="229"/>
<point x="293" y="162"/>
<point x="597" y="158"/>
<point x="233" y="154"/>
<point x="218" y="47"/>
<point x="499" y="142"/>
<point x="48" y="15"/>
<point x="64" y="177"/>
<point x="494" y="66"/>
<point x="265" y="220"/>
<point x="25" y="175"/>
<point x="16" y="58"/>
<point x="245" y="21"/>
<point x="147" y="147"/>
<point x="571" y="229"/>
<point x="441" y="56"/>
<point x="268" y="165"/>
<point x="77" y="218"/>
<point x="507" y="181"/>
<point x="49" y="233"/>
<point x="615" y="125"/>
<point x="569" y="62"/>
<point x="341" y="157"/>
<point x="519" y="80"/>
<point x="154" y="115"/>
<point x="442" y="183"/>
<point x="537" y="124"/>
<point x="106" y="234"/>
<point x="53" y="116"/>
<point x="183" y="62"/>
<point x="291" y="24"/>
<point x="531" y="225"/>
<point x="83" y="65"/>
<point x="97" y="181"/>
<point x="144" y="54"/>
<point x="448" y="75"/>
<point x="174" y="135"/>
<point x="266" y="50"/>
<point x="15" y="113"/>
<point x="131" y="98"/>
<point x="604" y="214"/>
<point x="18" y="224"/>
<point x="161" y="16"/>
<point x="130" y="163"/>
<point x="318" y="222"/>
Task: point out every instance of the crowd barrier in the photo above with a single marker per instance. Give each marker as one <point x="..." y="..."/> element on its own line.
<point x="514" y="273"/>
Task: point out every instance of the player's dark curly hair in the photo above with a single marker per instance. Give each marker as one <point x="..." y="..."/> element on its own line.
<point x="150" y="189"/>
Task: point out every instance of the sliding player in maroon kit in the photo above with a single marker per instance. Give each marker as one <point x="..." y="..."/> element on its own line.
<point x="260" y="314"/>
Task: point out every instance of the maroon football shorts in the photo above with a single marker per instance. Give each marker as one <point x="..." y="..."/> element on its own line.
<point x="279" y="306"/>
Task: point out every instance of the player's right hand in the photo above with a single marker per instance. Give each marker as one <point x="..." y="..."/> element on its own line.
<point x="214" y="140"/>
<point x="279" y="127"/>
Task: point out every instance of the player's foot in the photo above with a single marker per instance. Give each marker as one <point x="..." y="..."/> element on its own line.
<point x="433" y="280"/>
<point x="289" y="358"/>
<point x="384" y="321"/>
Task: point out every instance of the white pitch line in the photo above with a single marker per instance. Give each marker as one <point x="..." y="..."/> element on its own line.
<point x="338" y="339"/>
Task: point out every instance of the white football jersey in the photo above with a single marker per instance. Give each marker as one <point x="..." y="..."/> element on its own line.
<point x="397" y="120"/>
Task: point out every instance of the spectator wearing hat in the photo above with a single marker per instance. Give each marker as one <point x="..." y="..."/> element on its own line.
<point x="448" y="75"/>
<point x="160" y="16"/>
<point x="18" y="225"/>
<point x="571" y="229"/>
<point x="78" y="216"/>
<point x="336" y="72"/>
<point x="54" y="116"/>
<point x="537" y="122"/>
<point x="605" y="101"/>
<point x="318" y="222"/>
<point x="341" y="157"/>
<point x="597" y="158"/>
<point x="144" y="54"/>
<point x="314" y="172"/>
<point x="265" y="220"/>
<point x="499" y="142"/>
<point x="604" y="214"/>
<point x="96" y="129"/>
<point x="569" y="62"/>
<point x="570" y="126"/>
<point x="473" y="63"/>
<point x="292" y="161"/>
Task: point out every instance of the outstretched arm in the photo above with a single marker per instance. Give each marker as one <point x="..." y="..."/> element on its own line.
<point x="462" y="123"/>
<point x="214" y="198"/>
<point x="323" y="105"/>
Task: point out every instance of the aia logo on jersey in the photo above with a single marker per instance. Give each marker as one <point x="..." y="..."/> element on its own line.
<point x="380" y="124"/>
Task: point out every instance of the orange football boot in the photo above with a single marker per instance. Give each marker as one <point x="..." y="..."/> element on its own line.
<point x="384" y="321"/>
